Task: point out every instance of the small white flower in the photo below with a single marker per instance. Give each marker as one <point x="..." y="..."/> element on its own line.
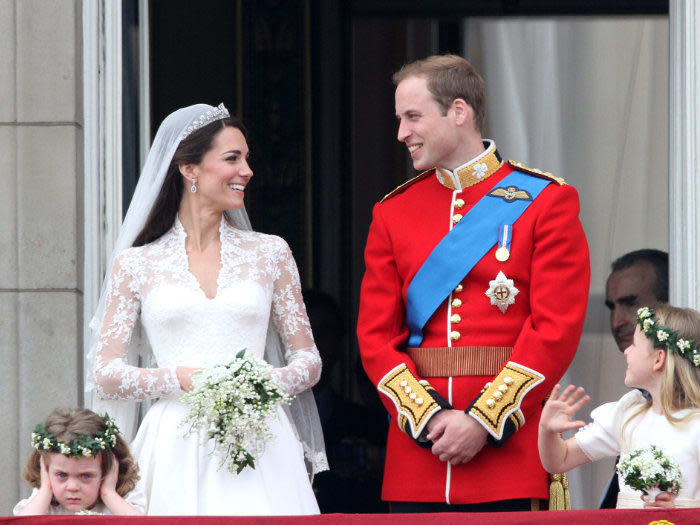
<point x="683" y="345"/>
<point x="643" y="312"/>
<point x="661" y="335"/>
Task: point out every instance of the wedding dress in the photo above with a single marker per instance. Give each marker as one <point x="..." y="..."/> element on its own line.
<point x="258" y="279"/>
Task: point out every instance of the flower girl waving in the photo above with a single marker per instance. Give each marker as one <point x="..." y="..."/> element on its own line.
<point x="663" y="360"/>
<point x="80" y="464"/>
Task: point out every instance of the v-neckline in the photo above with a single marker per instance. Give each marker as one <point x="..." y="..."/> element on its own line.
<point x="183" y="246"/>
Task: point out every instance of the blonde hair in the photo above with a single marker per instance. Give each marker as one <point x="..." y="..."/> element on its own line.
<point x="65" y="425"/>
<point x="449" y="77"/>
<point x="680" y="384"/>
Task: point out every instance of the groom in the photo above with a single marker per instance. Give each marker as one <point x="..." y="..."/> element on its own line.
<point x="472" y="303"/>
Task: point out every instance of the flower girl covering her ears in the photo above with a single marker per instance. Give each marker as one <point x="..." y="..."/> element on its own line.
<point x="664" y="360"/>
<point x="80" y="464"/>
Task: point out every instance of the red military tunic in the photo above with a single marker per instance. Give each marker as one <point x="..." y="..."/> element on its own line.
<point x="549" y="266"/>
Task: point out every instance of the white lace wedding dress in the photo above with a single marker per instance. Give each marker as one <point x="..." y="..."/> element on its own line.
<point x="258" y="278"/>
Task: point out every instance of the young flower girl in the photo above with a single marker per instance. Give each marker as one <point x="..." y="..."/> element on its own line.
<point x="80" y="464"/>
<point x="663" y="360"/>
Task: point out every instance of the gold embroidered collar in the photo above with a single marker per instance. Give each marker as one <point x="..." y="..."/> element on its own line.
<point x="477" y="169"/>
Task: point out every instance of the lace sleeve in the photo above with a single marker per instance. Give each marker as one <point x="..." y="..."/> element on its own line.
<point x="289" y="315"/>
<point x="114" y="377"/>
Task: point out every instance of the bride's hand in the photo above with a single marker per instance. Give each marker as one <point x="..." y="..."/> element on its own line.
<point x="184" y="376"/>
<point x="558" y="411"/>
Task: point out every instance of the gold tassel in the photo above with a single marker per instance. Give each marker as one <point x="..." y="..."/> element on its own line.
<point x="559" y="498"/>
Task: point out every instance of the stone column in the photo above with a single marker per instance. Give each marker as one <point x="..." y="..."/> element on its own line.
<point x="41" y="223"/>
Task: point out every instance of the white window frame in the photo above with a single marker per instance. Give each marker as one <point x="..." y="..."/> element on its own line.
<point x="684" y="119"/>
<point x="102" y="139"/>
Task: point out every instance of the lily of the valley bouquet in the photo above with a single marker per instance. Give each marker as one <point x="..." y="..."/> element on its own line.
<point x="231" y="403"/>
<point x="651" y="471"/>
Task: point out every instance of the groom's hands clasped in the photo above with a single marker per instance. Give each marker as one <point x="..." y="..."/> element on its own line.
<point x="456" y="437"/>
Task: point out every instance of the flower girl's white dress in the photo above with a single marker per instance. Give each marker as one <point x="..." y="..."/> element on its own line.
<point x="603" y="438"/>
<point x="258" y="278"/>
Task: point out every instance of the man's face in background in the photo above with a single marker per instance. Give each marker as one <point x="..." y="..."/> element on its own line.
<point x="626" y="291"/>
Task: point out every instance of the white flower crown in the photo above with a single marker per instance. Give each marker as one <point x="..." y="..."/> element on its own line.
<point x="662" y="336"/>
<point x="82" y="446"/>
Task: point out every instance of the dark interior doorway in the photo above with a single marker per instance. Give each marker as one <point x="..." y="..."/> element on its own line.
<point x="312" y="81"/>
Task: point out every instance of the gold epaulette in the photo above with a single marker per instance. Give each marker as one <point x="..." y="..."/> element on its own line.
<point x="499" y="401"/>
<point x="412" y="397"/>
<point x="537" y="173"/>
<point x="406" y="184"/>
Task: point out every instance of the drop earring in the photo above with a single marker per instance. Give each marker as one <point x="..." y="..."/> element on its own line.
<point x="193" y="188"/>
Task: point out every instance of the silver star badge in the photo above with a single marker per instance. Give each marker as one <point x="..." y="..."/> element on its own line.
<point x="502" y="292"/>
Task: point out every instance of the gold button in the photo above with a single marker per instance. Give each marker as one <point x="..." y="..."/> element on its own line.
<point x="419" y="401"/>
<point x="508" y="380"/>
<point x="497" y="395"/>
<point x="503" y="388"/>
<point x="412" y="395"/>
<point x="454" y="335"/>
<point x="456" y="303"/>
<point x="403" y="383"/>
<point x="490" y="403"/>
<point x="456" y="218"/>
<point x="407" y="389"/>
<point x="455" y="318"/>
<point x="487" y="385"/>
<point x="459" y="203"/>
<point x="459" y="288"/>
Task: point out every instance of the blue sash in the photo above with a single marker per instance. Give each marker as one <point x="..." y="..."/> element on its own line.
<point x="464" y="246"/>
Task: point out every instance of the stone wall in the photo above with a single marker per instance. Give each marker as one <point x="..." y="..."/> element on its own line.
<point x="41" y="150"/>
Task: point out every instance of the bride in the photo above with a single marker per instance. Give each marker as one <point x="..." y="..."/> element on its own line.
<point x="191" y="282"/>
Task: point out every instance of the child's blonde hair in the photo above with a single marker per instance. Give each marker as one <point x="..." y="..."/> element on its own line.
<point x="680" y="384"/>
<point x="66" y="425"/>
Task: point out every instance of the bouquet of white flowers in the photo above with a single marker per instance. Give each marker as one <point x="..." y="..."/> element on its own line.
<point x="231" y="402"/>
<point x="651" y="471"/>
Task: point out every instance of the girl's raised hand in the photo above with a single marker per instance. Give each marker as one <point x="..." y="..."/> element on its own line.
<point x="558" y="411"/>
<point x="109" y="482"/>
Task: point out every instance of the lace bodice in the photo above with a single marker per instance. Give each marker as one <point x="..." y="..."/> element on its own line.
<point x="258" y="278"/>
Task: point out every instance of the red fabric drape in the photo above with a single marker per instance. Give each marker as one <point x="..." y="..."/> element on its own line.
<point x="572" y="517"/>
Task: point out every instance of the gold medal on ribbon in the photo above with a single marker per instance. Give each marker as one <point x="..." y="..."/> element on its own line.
<point x="504" y="236"/>
<point x="502" y="254"/>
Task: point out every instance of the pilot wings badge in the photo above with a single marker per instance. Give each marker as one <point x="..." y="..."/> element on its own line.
<point x="511" y="194"/>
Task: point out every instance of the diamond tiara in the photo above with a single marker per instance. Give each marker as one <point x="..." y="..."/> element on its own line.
<point x="210" y="116"/>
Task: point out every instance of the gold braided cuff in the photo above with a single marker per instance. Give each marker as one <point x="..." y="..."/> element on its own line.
<point x="497" y="408"/>
<point x="415" y="400"/>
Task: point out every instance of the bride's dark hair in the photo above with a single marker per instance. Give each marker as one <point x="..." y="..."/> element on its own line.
<point x="190" y="151"/>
